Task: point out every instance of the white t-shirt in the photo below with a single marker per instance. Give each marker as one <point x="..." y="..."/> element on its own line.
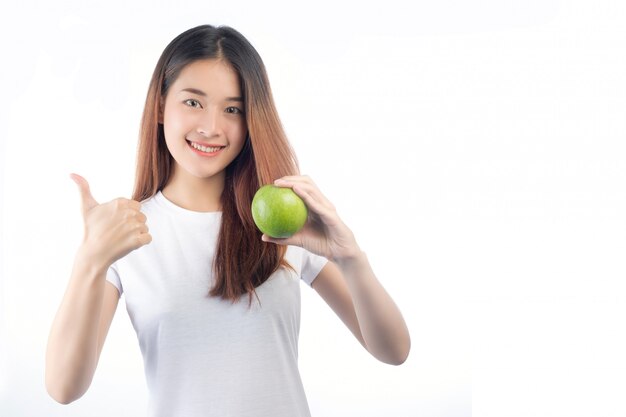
<point x="204" y="356"/>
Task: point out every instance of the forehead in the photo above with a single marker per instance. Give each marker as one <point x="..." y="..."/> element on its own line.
<point x="214" y="77"/>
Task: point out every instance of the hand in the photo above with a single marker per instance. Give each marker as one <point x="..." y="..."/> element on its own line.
<point x="323" y="233"/>
<point x="112" y="229"/>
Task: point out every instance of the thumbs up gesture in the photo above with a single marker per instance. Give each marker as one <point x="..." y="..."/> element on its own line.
<point x="112" y="229"/>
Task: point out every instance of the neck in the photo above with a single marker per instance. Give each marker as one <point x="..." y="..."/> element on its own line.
<point x="193" y="193"/>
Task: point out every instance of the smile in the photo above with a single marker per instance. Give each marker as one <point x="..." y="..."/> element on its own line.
<point x="201" y="150"/>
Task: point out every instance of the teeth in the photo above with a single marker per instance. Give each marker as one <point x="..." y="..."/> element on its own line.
<point x="204" y="149"/>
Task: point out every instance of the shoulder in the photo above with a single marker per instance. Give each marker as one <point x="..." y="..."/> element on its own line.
<point x="307" y="263"/>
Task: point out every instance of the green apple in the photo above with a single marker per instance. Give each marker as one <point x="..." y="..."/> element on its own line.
<point x="278" y="211"/>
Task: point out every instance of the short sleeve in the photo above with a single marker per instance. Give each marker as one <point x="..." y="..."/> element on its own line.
<point x="113" y="277"/>
<point x="312" y="264"/>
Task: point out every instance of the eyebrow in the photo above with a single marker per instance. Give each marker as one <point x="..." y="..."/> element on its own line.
<point x="203" y="94"/>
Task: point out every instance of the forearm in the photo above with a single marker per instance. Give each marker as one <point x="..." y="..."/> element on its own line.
<point x="72" y="342"/>
<point x="382" y="325"/>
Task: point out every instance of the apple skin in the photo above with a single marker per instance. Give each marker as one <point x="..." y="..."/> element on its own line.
<point x="278" y="211"/>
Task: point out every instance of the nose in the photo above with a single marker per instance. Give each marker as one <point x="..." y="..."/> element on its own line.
<point x="209" y="123"/>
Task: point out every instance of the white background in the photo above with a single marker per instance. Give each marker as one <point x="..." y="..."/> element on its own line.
<point x="475" y="148"/>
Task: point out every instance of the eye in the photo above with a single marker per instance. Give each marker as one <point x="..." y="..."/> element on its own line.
<point x="234" y="110"/>
<point x="192" y="100"/>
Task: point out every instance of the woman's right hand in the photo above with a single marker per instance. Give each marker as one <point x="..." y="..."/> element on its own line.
<point x="113" y="229"/>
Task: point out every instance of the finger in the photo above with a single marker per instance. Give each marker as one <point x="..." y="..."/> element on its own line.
<point x="86" y="199"/>
<point x="278" y="241"/>
<point x="143" y="239"/>
<point x="141" y="216"/>
<point x="307" y="195"/>
<point x="138" y="216"/>
<point x="312" y="191"/>
<point x="142" y="227"/>
<point x="297" y="178"/>
<point x="135" y="204"/>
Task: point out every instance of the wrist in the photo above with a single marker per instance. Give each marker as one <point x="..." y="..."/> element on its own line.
<point x="87" y="258"/>
<point x="353" y="257"/>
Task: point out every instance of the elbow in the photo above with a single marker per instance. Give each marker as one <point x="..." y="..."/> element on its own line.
<point x="402" y="355"/>
<point x="397" y="358"/>
<point x="392" y="353"/>
<point x="59" y="396"/>
<point x="393" y="360"/>
<point x="58" y="393"/>
<point x="63" y="400"/>
<point x="401" y="359"/>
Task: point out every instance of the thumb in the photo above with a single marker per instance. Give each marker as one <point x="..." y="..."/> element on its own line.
<point x="278" y="240"/>
<point x="87" y="200"/>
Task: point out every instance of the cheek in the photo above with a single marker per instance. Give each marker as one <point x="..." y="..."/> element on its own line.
<point x="237" y="132"/>
<point x="173" y="125"/>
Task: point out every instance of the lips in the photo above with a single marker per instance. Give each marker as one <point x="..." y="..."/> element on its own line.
<point x="206" y="145"/>
<point x="203" y="153"/>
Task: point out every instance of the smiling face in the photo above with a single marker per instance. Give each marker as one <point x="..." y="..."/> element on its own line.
<point x="204" y="106"/>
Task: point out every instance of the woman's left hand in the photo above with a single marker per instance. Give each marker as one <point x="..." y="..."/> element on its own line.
<point x="323" y="233"/>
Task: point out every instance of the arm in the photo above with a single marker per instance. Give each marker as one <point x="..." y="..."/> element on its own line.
<point x="351" y="289"/>
<point x="381" y="328"/>
<point x="78" y="330"/>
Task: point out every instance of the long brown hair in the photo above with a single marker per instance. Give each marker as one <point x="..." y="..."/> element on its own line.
<point x="242" y="261"/>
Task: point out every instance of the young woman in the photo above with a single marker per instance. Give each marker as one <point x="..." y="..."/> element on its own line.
<point x="215" y="303"/>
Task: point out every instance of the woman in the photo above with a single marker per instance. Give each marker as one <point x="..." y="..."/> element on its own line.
<point x="210" y="137"/>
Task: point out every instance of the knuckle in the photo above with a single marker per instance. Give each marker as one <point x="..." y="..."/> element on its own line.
<point x="121" y="203"/>
<point x="144" y="239"/>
